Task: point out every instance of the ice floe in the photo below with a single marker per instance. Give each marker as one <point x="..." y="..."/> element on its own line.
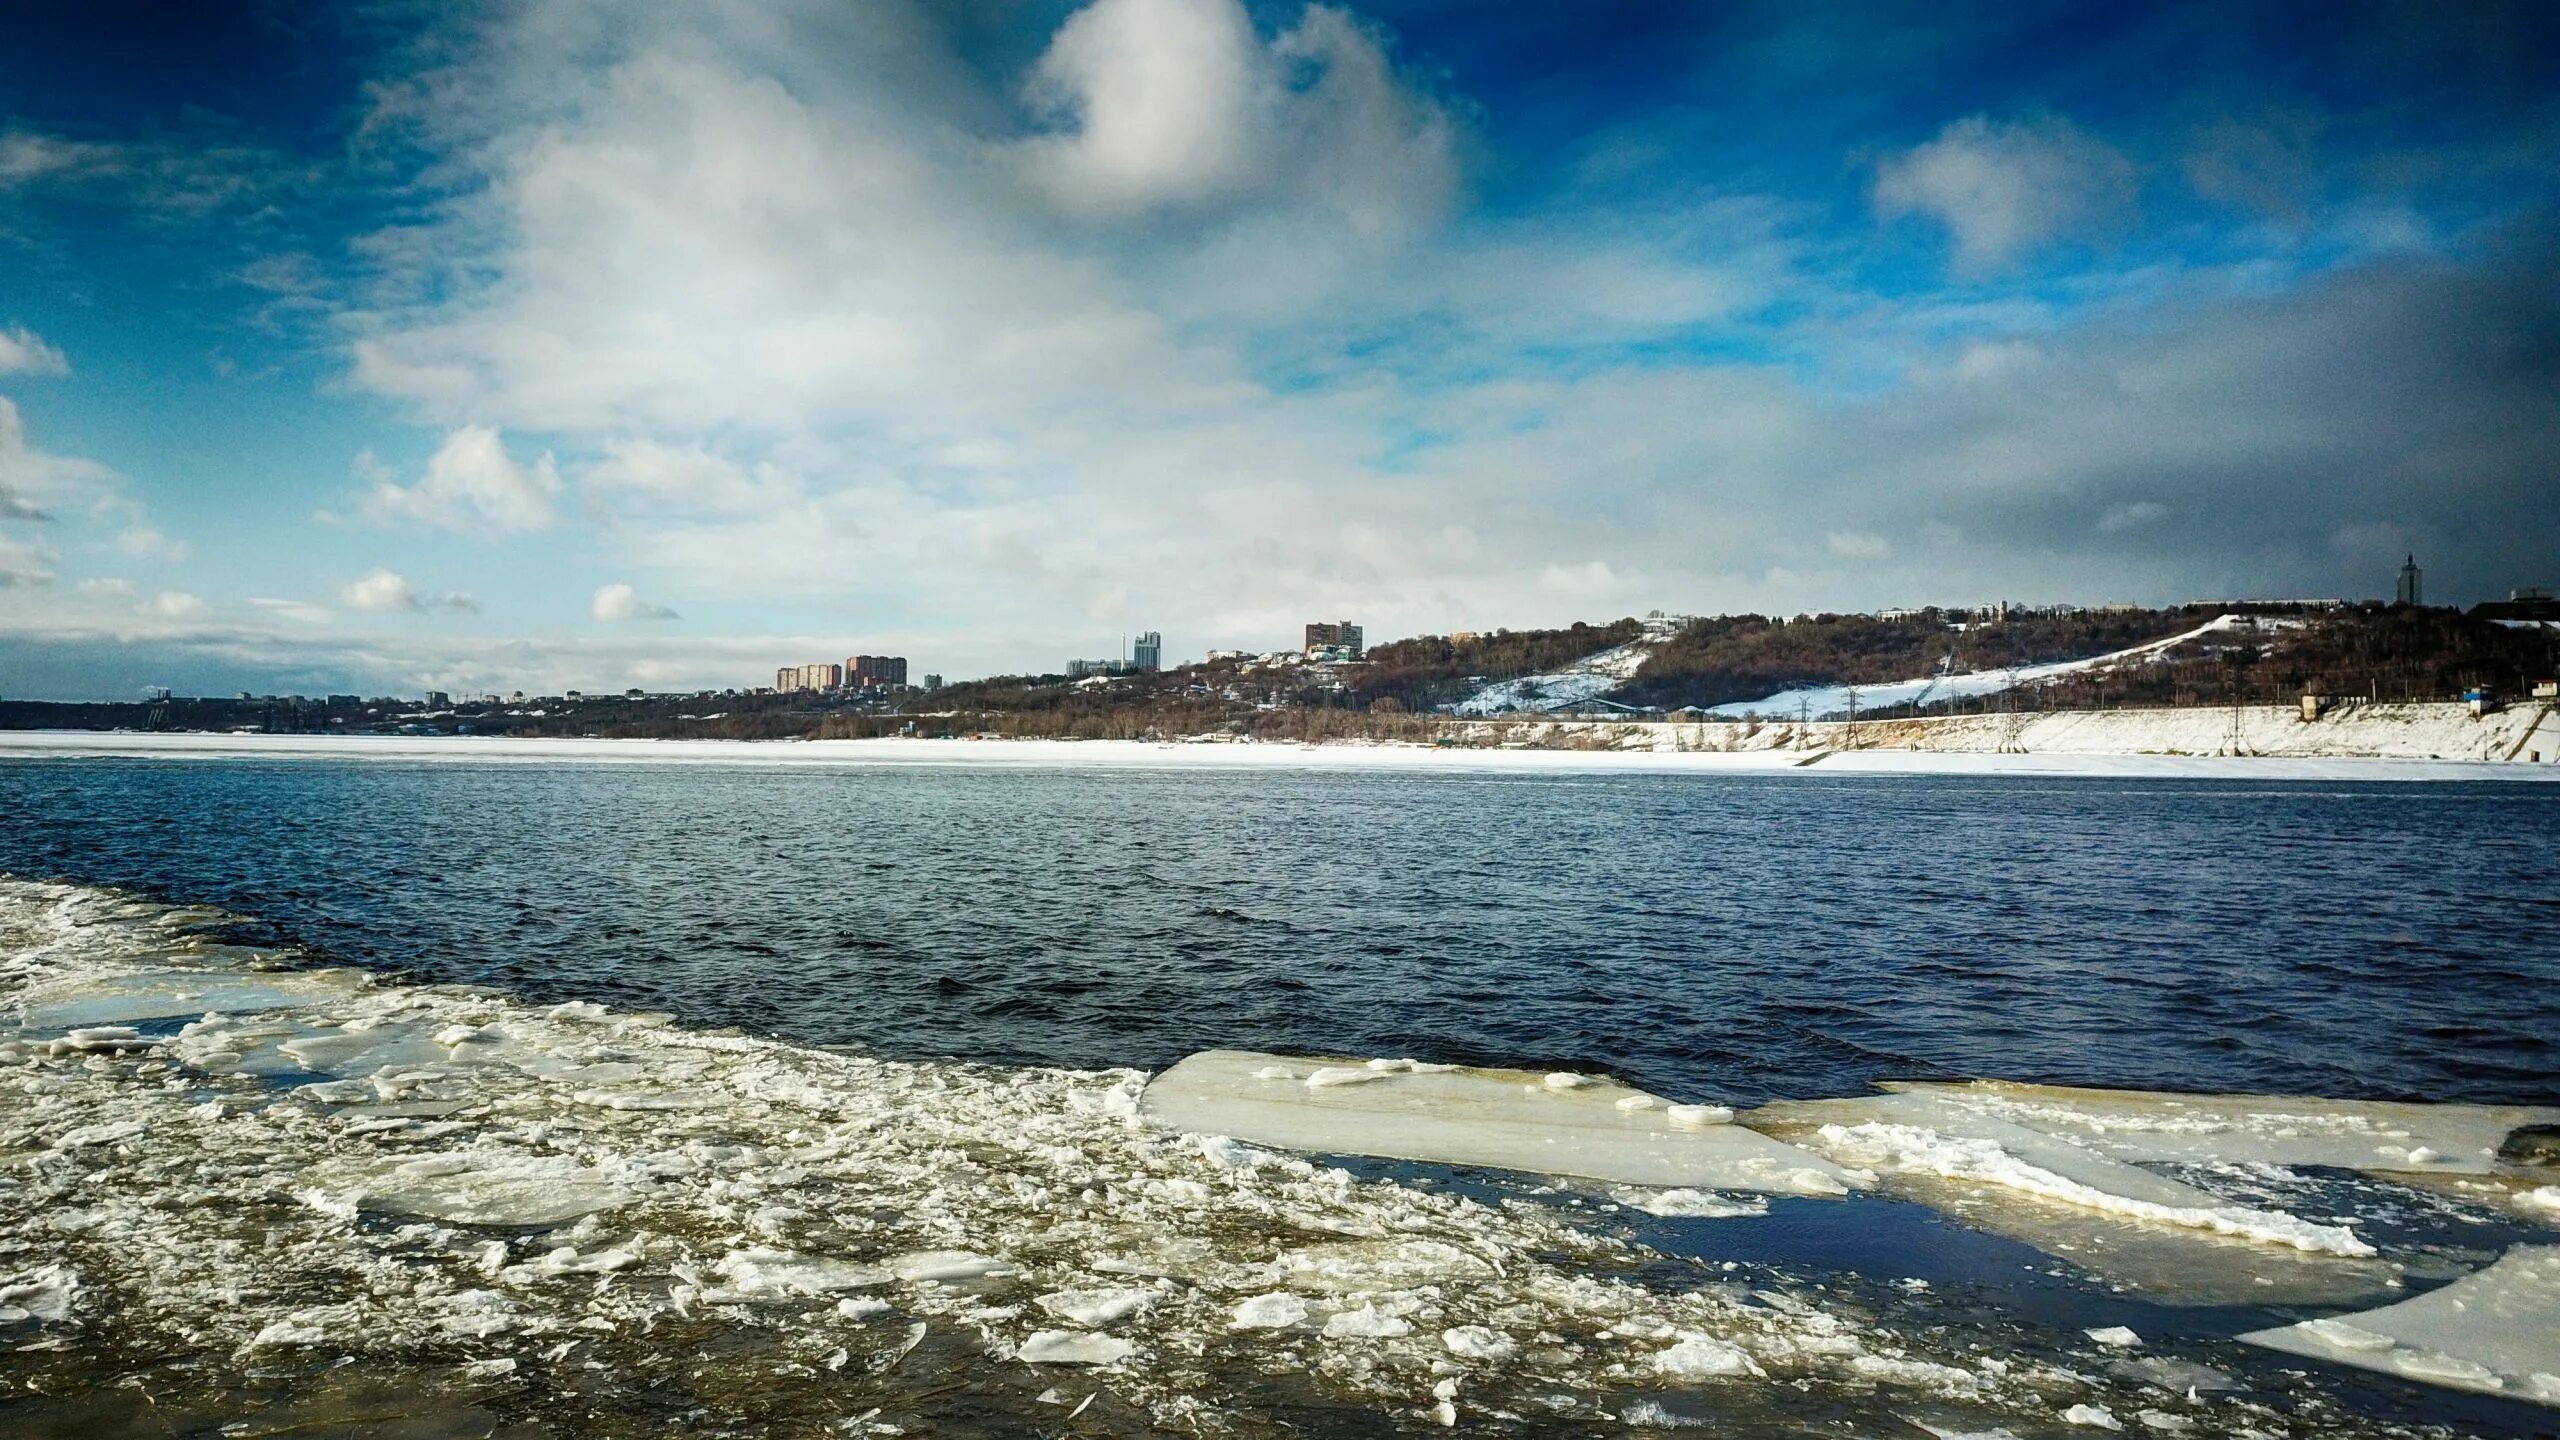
<point x="2496" y="1331"/>
<point x="1507" y="1119"/>
<point x="588" y="1209"/>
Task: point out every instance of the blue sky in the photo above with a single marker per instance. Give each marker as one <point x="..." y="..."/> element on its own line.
<point x="395" y="346"/>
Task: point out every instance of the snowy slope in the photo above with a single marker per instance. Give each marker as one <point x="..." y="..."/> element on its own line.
<point x="1576" y="684"/>
<point x="1821" y="701"/>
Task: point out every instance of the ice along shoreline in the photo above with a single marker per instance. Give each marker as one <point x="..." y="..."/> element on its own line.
<point x="1242" y="755"/>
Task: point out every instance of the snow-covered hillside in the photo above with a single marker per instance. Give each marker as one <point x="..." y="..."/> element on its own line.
<point x="1823" y="701"/>
<point x="1575" y="685"/>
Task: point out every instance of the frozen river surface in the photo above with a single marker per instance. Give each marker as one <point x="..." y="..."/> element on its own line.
<point x="491" y="1195"/>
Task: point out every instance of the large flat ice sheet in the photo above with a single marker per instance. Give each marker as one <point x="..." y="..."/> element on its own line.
<point x="2175" y="1242"/>
<point x="2141" y="1125"/>
<point x="1504" y="1119"/>
<point x="2496" y="1331"/>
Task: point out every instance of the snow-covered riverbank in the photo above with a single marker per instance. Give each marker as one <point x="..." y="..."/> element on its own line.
<point x="2377" y="742"/>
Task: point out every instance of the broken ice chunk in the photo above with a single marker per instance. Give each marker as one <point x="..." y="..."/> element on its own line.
<point x="780" y="1274"/>
<point x="1096" y="1308"/>
<point x="1070" y="1347"/>
<point x="1702" y="1357"/>
<point x="1276" y="1311"/>
<point x="42" y="1294"/>
<point x="1366" y="1323"/>
<point x="1698" y="1117"/>
<point x="1478" y="1342"/>
<point x="947" y="1265"/>
<point x="476" y="1188"/>
<point x="2119" y="1336"/>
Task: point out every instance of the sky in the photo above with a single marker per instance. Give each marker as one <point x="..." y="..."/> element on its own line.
<point x="382" y="347"/>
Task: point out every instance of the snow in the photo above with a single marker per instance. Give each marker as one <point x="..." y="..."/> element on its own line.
<point x="1822" y="701"/>
<point x="1577" y="684"/>
<point x="2496" y="1331"/>
<point x="2391" y="742"/>
<point x="1507" y="1119"/>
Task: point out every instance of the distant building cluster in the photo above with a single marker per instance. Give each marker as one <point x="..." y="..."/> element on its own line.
<point x="857" y="672"/>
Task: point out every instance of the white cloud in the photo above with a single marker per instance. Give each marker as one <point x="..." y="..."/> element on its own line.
<point x="808" y="330"/>
<point x="615" y="603"/>
<point x="379" y="592"/>
<point x="107" y="588"/>
<point x="472" y="486"/>
<point x="33" y="484"/>
<point x="1181" y="103"/>
<point x="24" y="352"/>
<point x="176" y="605"/>
<point x="2003" y="189"/>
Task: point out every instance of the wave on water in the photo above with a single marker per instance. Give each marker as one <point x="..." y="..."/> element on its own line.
<point x="236" y="1186"/>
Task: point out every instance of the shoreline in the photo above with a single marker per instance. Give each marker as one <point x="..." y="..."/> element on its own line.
<point x="40" y="745"/>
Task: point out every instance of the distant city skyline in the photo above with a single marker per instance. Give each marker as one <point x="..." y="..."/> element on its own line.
<point x="385" y="349"/>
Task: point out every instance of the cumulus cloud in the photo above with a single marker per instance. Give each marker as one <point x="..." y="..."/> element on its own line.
<point x="385" y="592"/>
<point x="2004" y="188"/>
<point x="24" y="352"/>
<point x="811" y="317"/>
<point x="1182" y="103"/>
<point x="379" y="592"/>
<point x="471" y="486"/>
<point x="616" y="603"/>
<point x="176" y="605"/>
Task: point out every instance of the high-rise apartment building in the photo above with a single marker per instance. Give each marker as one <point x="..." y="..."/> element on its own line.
<point x="871" y="672"/>
<point x="1148" y="652"/>
<point x="823" y="675"/>
<point x="1337" y="640"/>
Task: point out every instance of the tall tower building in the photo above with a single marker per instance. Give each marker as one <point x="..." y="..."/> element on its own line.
<point x="2411" y="590"/>
<point x="1148" y="652"/>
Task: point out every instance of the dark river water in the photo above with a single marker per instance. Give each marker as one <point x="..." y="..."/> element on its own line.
<point x="1735" y="937"/>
